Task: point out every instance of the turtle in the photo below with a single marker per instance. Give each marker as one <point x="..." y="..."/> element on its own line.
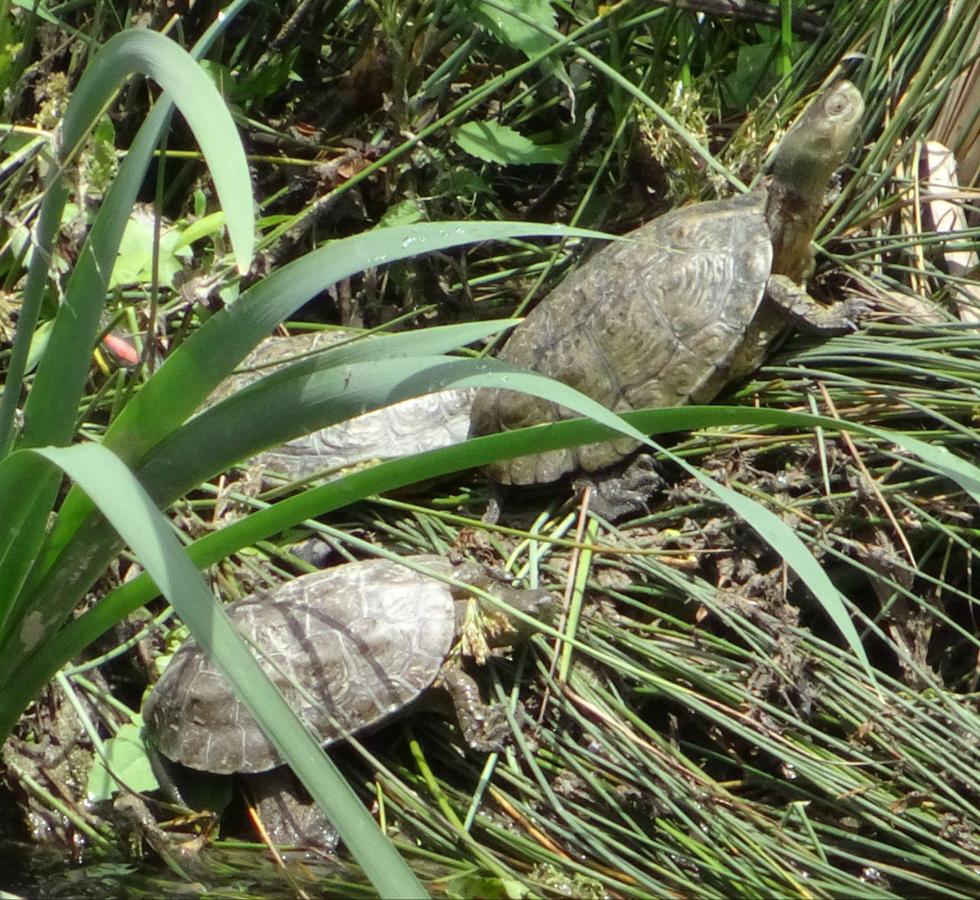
<point x="349" y="647"/>
<point x="411" y="426"/>
<point x="688" y="303"/>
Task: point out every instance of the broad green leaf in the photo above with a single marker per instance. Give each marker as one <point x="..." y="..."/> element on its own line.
<point x="513" y="22"/>
<point x="407" y="212"/>
<point x="148" y="533"/>
<point x="40" y="9"/>
<point x="299" y="399"/>
<point x="501" y="144"/>
<point x="52" y="404"/>
<point x="134" y="265"/>
<point x="398" y="473"/>
<point x="525" y="26"/>
<point x="23" y="484"/>
<point x="126" y="761"/>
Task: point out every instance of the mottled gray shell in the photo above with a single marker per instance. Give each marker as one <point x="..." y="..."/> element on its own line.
<point x="411" y="426"/>
<point x="661" y="319"/>
<point x="363" y="640"/>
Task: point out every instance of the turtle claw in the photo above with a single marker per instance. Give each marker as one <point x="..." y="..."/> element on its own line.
<point x="808" y="314"/>
<point x="623" y="489"/>
<point x="854" y="310"/>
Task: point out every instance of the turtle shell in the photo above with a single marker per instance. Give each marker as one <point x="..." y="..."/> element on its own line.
<point x="662" y="318"/>
<point x="362" y="640"/>
<point x="409" y="426"/>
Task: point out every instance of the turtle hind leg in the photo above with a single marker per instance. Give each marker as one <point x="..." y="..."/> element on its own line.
<point x="624" y="489"/>
<point x="288" y="813"/>
<point x="483" y="725"/>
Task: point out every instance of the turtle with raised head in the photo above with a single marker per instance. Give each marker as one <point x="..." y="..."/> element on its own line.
<point x="689" y="303"/>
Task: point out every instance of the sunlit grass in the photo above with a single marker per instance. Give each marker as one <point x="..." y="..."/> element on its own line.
<point x="707" y="732"/>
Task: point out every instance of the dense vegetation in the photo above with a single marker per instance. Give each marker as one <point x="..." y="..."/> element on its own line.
<point x="721" y="711"/>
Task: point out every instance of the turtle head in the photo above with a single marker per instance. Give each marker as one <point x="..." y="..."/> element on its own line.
<point x="812" y="150"/>
<point x="819" y="141"/>
<point x="504" y="630"/>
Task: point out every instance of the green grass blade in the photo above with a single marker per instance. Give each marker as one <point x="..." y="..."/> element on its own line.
<point x="398" y="473"/>
<point x="104" y="240"/>
<point x="268" y="413"/>
<point x="49" y="221"/>
<point x="433" y="464"/>
<point x="296" y="401"/>
<point x="25" y="486"/>
<point x="53" y="402"/>
<point x="208" y="356"/>
<point x="132" y="513"/>
<point x="194" y="94"/>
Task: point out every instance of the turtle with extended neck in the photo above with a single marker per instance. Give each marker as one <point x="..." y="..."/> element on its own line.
<point x="689" y="303"/>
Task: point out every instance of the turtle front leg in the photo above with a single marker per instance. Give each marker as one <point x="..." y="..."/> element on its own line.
<point x="484" y="726"/>
<point x="806" y="313"/>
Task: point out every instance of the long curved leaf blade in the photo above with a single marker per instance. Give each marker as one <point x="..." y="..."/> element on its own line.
<point x="132" y="513"/>
<point x="52" y="405"/>
<point x="267" y="414"/>
<point x="213" y="352"/>
<point x="209" y="355"/>
<point x="296" y="401"/>
<point x="194" y="94"/>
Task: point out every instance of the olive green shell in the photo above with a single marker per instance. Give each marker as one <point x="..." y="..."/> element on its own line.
<point x="662" y="318"/>
<point x="362" y="639"/>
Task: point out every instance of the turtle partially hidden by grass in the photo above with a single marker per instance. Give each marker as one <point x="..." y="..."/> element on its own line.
<point x="349" y="647"/>
<point x="689" y="303"/>
<point x="401" y="429"/>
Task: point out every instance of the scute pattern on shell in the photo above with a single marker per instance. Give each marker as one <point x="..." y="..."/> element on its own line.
<point x="411" y="426"/>
<point x="363" y="639"/>
<point x="656" y="320"/>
